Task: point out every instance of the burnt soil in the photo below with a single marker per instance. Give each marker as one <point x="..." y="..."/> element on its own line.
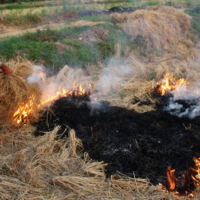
<point x="145" y="144"/>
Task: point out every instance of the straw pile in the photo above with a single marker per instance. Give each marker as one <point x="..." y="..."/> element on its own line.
<point x="49" y="168"/>
<point x="14" y="89"/>
<point x="159" y="27"/>
<point x="165" y="42"/>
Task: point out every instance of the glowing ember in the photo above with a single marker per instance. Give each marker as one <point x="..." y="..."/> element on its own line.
<point x="170" y="84"/>
<point x="25" y="111"/>
<point x="186" y="185"/>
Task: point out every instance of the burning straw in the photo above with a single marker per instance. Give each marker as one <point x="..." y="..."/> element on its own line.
<point x="14" y="89"/>
<point x="165" y="41"/>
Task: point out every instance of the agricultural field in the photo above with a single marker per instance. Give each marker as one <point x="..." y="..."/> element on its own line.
<point x="102" y="101"/>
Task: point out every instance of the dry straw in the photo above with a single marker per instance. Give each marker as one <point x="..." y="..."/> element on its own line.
<point x="15" y="90"/>
<point x="167" y="44"/>
<point x="161" y="27"/>
<point x="49" y="168"/>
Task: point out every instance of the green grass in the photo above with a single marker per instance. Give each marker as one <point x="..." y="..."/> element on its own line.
<point x="97" y="18"/>
<point x="23" y="5"/>
<point x="60" y="47"/>
<point x="42" y="47"/>
<point x="106" y="49"/>
<point x="195" y="13"/>
<point x="62" y="8"/>
<point x="150" y="3"/>
<point x="56" y="35"/>
<point x="78" y="55"/>
<point x="14" y="18"/>
<point x="35" y="51"/>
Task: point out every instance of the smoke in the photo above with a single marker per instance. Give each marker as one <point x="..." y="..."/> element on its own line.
<point x="185" y="102"/>
<point x="64" y="80"/>
<point x="113" y="76"/>
<point x="36" y="77"/>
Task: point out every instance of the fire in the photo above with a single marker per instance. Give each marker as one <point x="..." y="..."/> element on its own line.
<point x="171" y="178"/>
<point x="77" y="90"/>
<point x="170" y="84"/>
<point x="186" y="185"/>
<point x="25" y="112"/>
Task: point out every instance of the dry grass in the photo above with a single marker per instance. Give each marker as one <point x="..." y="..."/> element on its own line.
<point x="168" y="44"/>
<point x="49" y="168"/>
<point x="14" y="89"/>
<point x="161" y="27"/>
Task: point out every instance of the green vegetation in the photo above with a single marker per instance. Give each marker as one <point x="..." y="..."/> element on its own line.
<point x="24" y="14"/>
<point x="106" y="49"/>
<point x="195" y="13"/>
<point x="32" y="50"/>
<point x="64" y="46"/>
<point x="60" y="47"/>
<point x="29" y="18"/>
<point x="73" y="53"/>
<point x="150" y="3"/>
<point x="23" y="5"/>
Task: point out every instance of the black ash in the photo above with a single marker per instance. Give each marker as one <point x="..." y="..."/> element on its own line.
<point x="145" y="144"/>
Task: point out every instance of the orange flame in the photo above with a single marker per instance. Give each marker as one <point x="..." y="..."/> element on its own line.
<point x="171" y="178"/>
<point x="77" y="90"/>
<point x="25" y="111"/>
<point x="188" y="183"/>
<point x="170" y="84"/>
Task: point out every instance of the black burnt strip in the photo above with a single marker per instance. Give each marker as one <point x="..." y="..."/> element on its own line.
<point x="145" y="144"/>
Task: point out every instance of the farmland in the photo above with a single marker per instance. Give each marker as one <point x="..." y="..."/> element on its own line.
<point x="118" y="53"/>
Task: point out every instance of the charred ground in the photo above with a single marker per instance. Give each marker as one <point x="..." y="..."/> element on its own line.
<point x="145" y="144"/>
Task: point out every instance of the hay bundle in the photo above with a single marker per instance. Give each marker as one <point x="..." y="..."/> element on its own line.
<point x="50" y="168"/>
<point x="159" y="27"/>
<point x="15" y="90"/>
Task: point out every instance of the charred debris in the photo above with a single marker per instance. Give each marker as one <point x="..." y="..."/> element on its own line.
<point x="143" y="145"/>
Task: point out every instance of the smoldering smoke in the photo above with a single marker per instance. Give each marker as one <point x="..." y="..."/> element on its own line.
<point x="184" y="102"/>
<point x="113" y="76"/>
<point x="35" y="77"/>
<point x="49" y="86"/>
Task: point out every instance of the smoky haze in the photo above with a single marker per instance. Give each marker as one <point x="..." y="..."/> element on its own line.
<point x="185" y="102"/>
<point x="65" y="79"/>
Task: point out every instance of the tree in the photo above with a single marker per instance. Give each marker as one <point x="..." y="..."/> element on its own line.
<point x="2" y="1"/>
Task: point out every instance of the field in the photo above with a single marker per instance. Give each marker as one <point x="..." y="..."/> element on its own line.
<point x="119" y="51"/>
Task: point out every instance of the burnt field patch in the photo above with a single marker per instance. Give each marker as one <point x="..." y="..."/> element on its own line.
<point x="141" y="143"/>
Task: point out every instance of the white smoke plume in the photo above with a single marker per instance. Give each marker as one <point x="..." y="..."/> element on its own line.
<point x="65" y="79"/>
<point x="185" y="102"/>
<point x="37" y="77"/>
<point x="111" y="80"/>
<point x="113" y="76"/>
